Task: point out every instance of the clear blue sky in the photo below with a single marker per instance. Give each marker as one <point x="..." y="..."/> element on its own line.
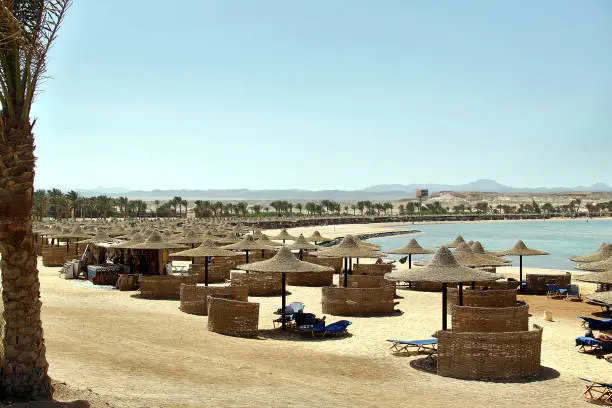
<point x="327" y="94"/>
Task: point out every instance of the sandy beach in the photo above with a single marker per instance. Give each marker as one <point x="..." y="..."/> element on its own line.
<point x="132" y="352"/>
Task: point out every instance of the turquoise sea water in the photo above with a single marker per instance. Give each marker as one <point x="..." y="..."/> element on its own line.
<point x="561" y="238"/>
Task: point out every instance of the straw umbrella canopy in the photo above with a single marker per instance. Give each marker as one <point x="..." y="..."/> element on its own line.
<point x="302" y="245"/>
<point x="248" y="243"/>
<point x="348" y="248"/>
<point x="604" y="251"/>
<point x="411" y="248"/>
<point x="601" y="297"/>
<point x="190" y="238"/>
<point x="317" y="237"/>
<point x="76" y="233"/>
<point x="266" y="240"/>
<point x="116" y="232"/>
<point x="466" y="257"/>
<point x="520" y="249"/>
<point x="604" y="278"/>
<point x="228" y="238"/>
<point x="100" y="237"/>
<point x="443" y="268"/>
<point x="598" y="266"/>
<point x="284" y="235"/>
<point x="284" y="261"/>
<point x="453" y="244"/>
<point x="364" y="244"/>
<point x="205" y="250"/>
<point x="156" y="242"/>
<point x="137" y="238"/>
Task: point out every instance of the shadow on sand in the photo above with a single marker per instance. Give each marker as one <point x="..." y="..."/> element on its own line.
<point x="430" y="366"/>
<point x="292" y="335"/>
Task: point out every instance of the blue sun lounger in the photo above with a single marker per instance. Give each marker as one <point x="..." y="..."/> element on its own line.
<point x="427" y="346"/>
<point x="333" y="329"/>
<point x="596" y="324"/>
<point x="591" y="345"/>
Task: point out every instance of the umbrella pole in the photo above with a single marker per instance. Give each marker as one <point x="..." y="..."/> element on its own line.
<point x="301" y="255"/>
<point x="357" y="261"/>
<point x="444" y="299"/>
<point x="205" y="271"/>
<point x="345" y="272"/>
<point x="460" y="293"/>
<point x="247" y="256"/>
<point x="473" y="286"/>
<point x="262" y="254"/>
<point x="350" y="265"/>
<point x="521" y="273"/>
<point x="284" y="293"/>
<point x="409" y="261"/>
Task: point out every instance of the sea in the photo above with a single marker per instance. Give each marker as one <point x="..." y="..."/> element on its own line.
<point x="562" y="239"/>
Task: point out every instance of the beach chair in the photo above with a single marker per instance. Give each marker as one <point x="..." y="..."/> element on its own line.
<point x="554" y="291"/>
<point x="426" y="346"/>
<point x="591" y="345"/>
<point x="296" y="306"/>
<point x="573" y="293"/>
<point x="334" y="329"/>
<point x="597" y="391"/>
<point x="290" y="311"/>
<point x="596" y="324"/>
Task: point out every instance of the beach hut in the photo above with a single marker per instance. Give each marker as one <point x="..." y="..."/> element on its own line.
<point x="520" y="250"/>
<point x="157" y="249"/>
<point x="443" y="268"/>
<point x="283" y="262"/>
<point x="348" y="249"/>
<point x="411" y="248"/>
<point x="206" y="249"/>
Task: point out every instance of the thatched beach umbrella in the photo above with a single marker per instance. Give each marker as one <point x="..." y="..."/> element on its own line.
<point x="284" y="235"/>
<point x="137" y="238"/>
<point x="284" y="261"/>
<point x="317" y="237"/>
<point x="603" y="252"/>
<point x="520" y="249"/>
<point x="100" y="238"/>
<point x="604" y="298"/>
<point x="466" y="257"/>
<point x="302" y="245"/>
<point x="348" y="249"/>
<point x="156" y="242"/>
<point x="603" y="278"/>
<point x="76" y="233"/>
<point x="248" y="243"/>
<point x="205" y="250"/>
<point x="229" y="238"/>
<point x="411" y="248"/>
<point x="443" y="268"/>
<point x="453" y="244"/>
<point x="598" y="266"/>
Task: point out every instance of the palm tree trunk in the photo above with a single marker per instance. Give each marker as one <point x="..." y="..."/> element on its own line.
<point x="23" y="370"/>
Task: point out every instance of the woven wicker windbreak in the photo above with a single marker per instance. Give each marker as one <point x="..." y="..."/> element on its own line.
<point x="489" y="356"/>
<point x="372" y="269"/>
<point x="599" y="266"/>
<point x="349" y="248"/>
<point x="310" y="278"/>
<point x="260" y="284"/>
<point x="232" y="317"/>
<point x="218" y="272"/>
<point x="55" y="256"/>
<point x="358" y="301"/>
<point x="536" y="283"/>
<point x="194" y="298"/>
<point x="365" y="281"/>
<point x="411" y="248"/>
<point x="163" y="286"/>
<point x="335" y="263"/>
<point x="490" y="319"/>
<point x="442" y="268"/>
<point x="484" y="298"/>
<point x="604" y="251"/>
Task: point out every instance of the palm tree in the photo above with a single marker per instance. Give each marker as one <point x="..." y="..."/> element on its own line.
<point x="27" y="30"/>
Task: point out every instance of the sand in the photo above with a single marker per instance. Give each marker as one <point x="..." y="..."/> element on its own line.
<point x="130" y="352"/>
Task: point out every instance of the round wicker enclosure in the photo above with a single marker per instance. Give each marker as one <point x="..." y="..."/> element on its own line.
<point x="366" y="281"/>
<point x="490" y="319"/>
<point x="336" y="263"/>
<point x="358" y="301"/>
<point x="483" y="298"/>
<point x="426" y="286"/>
<point x="372" y="269"/>
<point x="536" y="283"/>
<point x="233" y="317"/>
<point x="259" y="283"/>
<point x="310" y="278"/>
<point x="489" y="356"/>
<point x="217" y="273"/>
<point x="164" y="286"/>
<point x="194" y="298"/>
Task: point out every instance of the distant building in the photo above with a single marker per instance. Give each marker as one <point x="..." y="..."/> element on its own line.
<point x="422" y="193"/>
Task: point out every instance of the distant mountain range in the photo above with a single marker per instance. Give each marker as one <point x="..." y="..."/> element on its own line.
<point x="378" y="192"/>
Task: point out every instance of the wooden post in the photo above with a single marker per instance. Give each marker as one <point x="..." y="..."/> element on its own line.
<point x="460" y="293"/>
<point x="284" y="293"/>
<point x="205" y="271"/>
<point x="444" y="306"/>
<point x="409" y="261"/>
